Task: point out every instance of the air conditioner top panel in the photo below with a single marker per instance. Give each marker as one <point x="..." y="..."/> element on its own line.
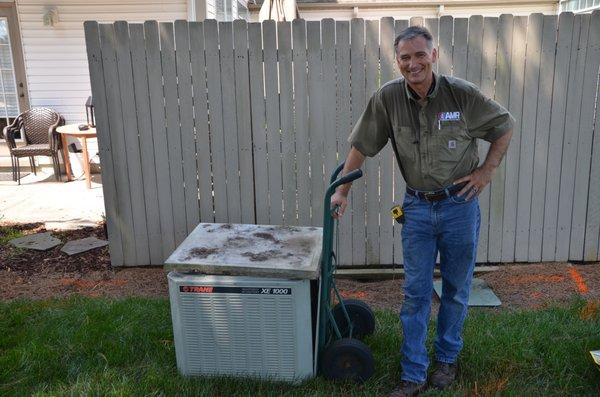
<point x="250" y="250"/>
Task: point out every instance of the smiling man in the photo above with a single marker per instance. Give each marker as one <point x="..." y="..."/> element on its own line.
<point x="433" y="123"/>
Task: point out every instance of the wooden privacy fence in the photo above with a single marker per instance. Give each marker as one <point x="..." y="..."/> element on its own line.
<point x="243" y="122"/>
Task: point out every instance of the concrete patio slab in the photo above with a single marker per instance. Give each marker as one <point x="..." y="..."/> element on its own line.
<point x="39" y="241"/>
<point x="82" y="245"/>
<point x="481" y="294"/>
<point x="60" y="205"/>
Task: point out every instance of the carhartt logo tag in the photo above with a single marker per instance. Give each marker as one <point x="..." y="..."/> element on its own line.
<point x="452" y="144"/>
<point x="449" y="116"/>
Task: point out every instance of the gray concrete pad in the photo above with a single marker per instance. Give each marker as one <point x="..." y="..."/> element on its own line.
<point x="39" y="241"/>
<point x="250" y="250"/>
<point x="82" y="245"/>
<point x="481" y="294"/>
<point x="59" y="205"/>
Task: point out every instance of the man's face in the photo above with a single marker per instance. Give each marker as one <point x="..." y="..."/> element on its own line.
<point x="415" y="59"/>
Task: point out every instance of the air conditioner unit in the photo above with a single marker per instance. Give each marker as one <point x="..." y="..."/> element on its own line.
<point x="244" y="300"/>
<point x="242" y="326"/>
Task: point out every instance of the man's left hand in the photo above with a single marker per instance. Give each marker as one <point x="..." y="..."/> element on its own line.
<point x="476" y="181"/>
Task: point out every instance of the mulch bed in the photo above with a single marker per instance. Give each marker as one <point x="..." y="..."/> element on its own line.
<point x="49" y="274"/>
<point x="30" y="262"/>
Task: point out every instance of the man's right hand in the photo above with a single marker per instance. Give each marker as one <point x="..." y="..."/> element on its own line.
<point x="341" y="201"/>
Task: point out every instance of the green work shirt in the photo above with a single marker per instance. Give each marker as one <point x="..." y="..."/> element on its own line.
<point x="437" y="141"/>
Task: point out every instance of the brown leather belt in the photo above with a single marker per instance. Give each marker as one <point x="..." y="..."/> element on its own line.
<point x="436" y="195"/>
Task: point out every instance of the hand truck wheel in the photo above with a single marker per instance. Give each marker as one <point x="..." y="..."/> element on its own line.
<point x="361" y="317"/>
<point x="347" y="359"/>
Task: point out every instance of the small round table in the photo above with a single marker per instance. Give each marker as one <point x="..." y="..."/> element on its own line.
<point x="73" y="130"/>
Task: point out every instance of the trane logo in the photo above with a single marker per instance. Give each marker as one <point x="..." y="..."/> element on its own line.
<point x="196" y="289"/>
<point x="203" y="289"/>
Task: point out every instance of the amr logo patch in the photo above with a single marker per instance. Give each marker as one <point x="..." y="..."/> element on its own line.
<point x="452" y="144"/>
<point x="448" y="116"/>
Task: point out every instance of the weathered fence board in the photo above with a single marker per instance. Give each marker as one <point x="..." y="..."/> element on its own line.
<point x="243" y="114"/>
<point x="386" y="232"/>
<point x="244" y="122"/>
<point x="132" y="148"/>
<point x="473" y="74"/>
<point x="359" y="98"/>
<point x="301" y="120"/>
<point x="286" y="112"/>
<point x="343" y="125"/>
<point x="511" y="162"/>
<point x="92" y="41"/>
<point x="569" y="148"/>
<point x="159" y="137"/>
<point x="232" y="174"/>
<point x="372" y="164"/>
<point x="527" y="144"/>
<point x="200" y="103"/>
<point x="592" y="227"/>
<point x="459" y="53"/>
<point x="542" y="132"/>
<point x="216" y="119"/>
<point x="488" y="72"/>
<point x="315" y="125"/>
<point x="142" y="107"/>
<point x="259" y="137"/>
<point x="502" y="94"/>
<point x="557" y="131"/>
<point x="432" y="24"/>
<point x="173" y="131"/>
<point x="584" y="144"/>
<point x="186" y="117"/>
<point x="445" y="45"/>
<point x="114" y="115"/>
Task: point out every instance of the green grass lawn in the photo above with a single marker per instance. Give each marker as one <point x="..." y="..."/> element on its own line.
<point x="100" y="347"/>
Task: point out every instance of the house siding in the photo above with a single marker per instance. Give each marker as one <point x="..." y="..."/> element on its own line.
<point x="55" y="57"/>
<point x="56" y="60"/>
<point x="345" y="10"/>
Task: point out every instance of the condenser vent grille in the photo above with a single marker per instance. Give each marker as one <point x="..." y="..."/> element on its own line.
<point x="239" y="334"/>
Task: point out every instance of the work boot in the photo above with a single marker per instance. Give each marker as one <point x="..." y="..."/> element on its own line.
<point x="443" y="376"/>
<point x="408" y="389"/>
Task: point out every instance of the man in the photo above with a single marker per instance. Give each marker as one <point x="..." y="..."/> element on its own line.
<point x="434" y="121"/>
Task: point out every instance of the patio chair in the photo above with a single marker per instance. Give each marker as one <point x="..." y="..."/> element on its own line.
<point x="38" y="129"/>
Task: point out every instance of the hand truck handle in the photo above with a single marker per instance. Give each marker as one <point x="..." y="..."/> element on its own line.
<point x="349" y="177"/>
<point x="336" y="172"/>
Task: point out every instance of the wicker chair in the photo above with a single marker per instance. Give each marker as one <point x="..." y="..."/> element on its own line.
<point x="38" y="128"/>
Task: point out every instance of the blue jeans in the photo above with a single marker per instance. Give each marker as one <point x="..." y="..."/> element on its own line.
<point x="450" y="226"/>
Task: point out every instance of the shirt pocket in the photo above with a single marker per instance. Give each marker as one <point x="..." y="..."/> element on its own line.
<point x="405" y="137"/>
<point x="450" y="143"/>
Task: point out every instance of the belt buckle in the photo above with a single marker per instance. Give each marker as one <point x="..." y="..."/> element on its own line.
<point x="428" y="195"/>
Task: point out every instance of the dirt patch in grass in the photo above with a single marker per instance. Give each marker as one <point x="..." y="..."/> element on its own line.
<point x="41" y="275"/>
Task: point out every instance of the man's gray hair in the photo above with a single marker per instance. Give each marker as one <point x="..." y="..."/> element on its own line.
<point x="413" y="32"/>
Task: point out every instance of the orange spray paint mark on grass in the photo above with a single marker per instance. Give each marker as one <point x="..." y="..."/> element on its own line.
<point x="579" y="281"/>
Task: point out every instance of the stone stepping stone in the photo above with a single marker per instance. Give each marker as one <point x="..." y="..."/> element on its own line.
<point x="40" y="241"/>
<point x="83" y="245"/>
<point x="481" y="294"/>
